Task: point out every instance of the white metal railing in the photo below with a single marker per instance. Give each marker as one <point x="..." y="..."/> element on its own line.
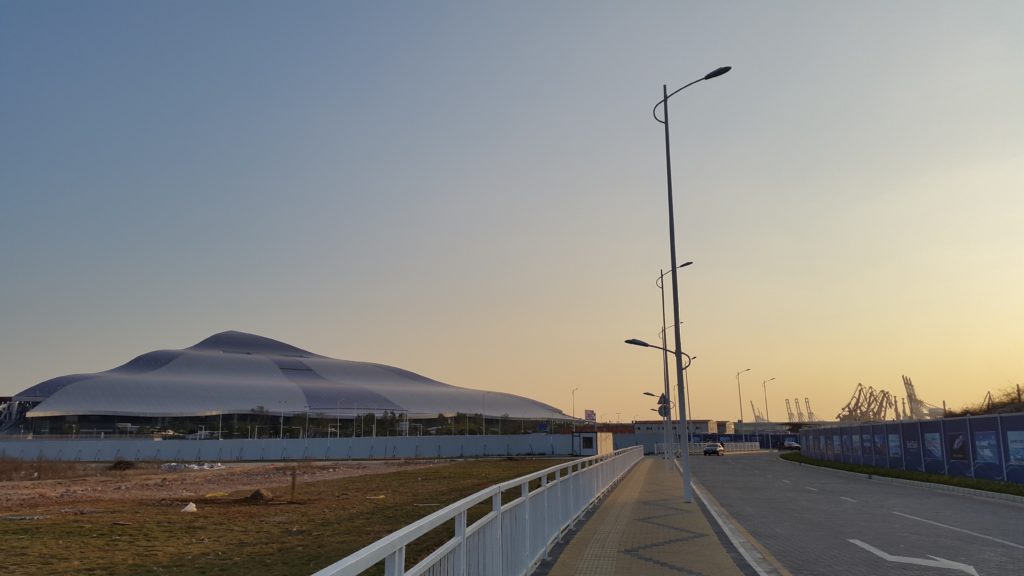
<point x="513" y="537"/>
<point x="698" y="447"/>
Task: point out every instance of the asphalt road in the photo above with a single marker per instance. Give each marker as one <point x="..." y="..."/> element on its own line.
<point x="817" y="521"/>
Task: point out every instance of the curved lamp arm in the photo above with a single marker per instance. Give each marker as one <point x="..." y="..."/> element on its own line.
<point x="713" y="74"/>
<point x="636" y="342"/>
<point x="661" y="279"/>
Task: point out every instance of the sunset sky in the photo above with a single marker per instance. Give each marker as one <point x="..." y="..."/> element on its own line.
<point x="476" y="191"/>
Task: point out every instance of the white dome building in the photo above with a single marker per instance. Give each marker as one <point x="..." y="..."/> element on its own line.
<point x="234" y="373"/>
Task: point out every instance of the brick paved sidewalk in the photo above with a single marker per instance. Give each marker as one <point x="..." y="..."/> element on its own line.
<point x="643" y="528"/>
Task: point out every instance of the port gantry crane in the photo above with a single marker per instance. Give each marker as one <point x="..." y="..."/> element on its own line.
<point x="870" y="405"/>
<point x="757" y="414"/>
<point x="810" y="413"/>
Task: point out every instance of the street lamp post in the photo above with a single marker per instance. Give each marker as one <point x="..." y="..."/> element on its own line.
<point x="689" y="405"/>
<point x="574" y="419"/>
<point x="574" y="410"/>
<point x="684" y="454"/>
<point x="687" y="489"/>
<point x="740" y="392"/>
<point x="767" y="420"/>
<point x="664" y="355"/>
<point x="665" y="411"/>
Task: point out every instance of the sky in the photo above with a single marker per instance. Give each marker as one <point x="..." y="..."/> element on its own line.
<point x="476" y="192"/>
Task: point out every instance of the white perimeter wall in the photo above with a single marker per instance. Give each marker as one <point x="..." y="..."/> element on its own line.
<point x="297" y="449"/>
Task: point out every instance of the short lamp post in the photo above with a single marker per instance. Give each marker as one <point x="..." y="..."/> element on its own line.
<point x="767" y="420"/>
<point x="665" y="411"/>
<point x="739" y="392"/>
<point x="574" y="410"/>
<point x="684" y="454"/>
<point x="669" y="440"/>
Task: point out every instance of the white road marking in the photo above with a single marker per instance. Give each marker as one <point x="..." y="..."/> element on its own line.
<point x="811" y="489"/>
<point x="847" y="499"/>
<point x="787" y="481"/>
<point x="960" y="530"/>
<point x="936" y="563"/>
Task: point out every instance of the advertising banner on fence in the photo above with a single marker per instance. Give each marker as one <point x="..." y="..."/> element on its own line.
<point x="986" y="447"/>
<point x="932" y="446"/>
<point x="894" y="446"/>
<point x="989" y="447"/>
<point x="956" y="446"/>
<point x="912" y="448"/>
<point x="1015" y="442"/>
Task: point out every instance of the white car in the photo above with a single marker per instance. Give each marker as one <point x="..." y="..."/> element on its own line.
<point x="716" y="448"/>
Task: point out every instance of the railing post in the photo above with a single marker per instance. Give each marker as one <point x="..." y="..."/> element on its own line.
<point x="526" y="542"/>
<point x="460" y="549"/>
<point x="497" y="542"/>
<point x="394" y="564"/>
<point x="547" y="516"/>
<point x="561" y="501"/>
<point x="574" y="476"/>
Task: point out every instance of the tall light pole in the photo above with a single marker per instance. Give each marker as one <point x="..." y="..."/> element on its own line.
<point x="684" y="454"/>
<point x="666" y="418"/>
<point x="767" y="420"/>
<point x="740" y="392"/>
<point x="687" y="489"/>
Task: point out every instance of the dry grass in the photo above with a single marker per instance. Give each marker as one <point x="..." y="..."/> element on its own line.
<point x="16" y="470"/>
<point x="229" y="535"/>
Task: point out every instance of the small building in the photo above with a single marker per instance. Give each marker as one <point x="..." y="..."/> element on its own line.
<point x="693" y="427"/>
<point x="701" y="427"/>
<point x="645" y="426"/>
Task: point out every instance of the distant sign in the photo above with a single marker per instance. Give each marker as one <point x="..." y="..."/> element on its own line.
<point x="590" y="415"/>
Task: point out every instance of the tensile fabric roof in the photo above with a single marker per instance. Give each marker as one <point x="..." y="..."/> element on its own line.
<point x="236" y="373"/>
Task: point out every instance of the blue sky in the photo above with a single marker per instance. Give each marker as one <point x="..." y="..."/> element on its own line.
<point x="476" y="192"/>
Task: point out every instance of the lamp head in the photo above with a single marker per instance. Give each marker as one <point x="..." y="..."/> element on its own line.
<point x="636" y="342"/>
<point x="685" y="264"/>
<point x="717" y="72"/>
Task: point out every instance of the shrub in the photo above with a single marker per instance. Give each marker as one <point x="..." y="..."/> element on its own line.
<point x="959" y="481"/>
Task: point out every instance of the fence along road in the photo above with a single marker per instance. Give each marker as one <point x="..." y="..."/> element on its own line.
<point x="819" y="521"/>
<point x="510" y="540"/>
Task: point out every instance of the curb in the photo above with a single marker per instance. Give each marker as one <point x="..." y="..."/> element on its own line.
<point x="752" y="554"/>
<point x="926" y="485"/>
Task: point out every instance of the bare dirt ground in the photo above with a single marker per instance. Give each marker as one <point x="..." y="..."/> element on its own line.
<point x="148" y="483"/>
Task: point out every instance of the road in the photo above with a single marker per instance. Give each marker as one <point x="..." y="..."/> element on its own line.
<point x="818" y="521"/>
